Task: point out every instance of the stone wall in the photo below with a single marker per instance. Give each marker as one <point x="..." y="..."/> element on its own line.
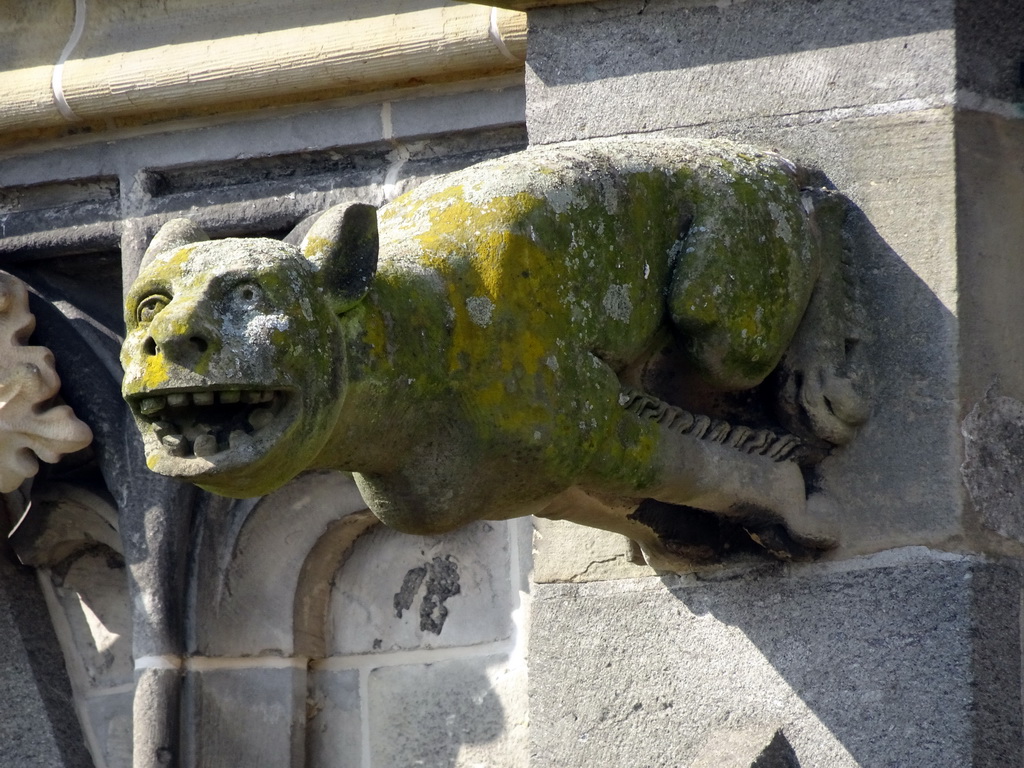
<point x="312" y="638"/>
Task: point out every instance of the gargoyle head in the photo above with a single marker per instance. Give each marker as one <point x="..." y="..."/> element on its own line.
<point x="233" y="360"/>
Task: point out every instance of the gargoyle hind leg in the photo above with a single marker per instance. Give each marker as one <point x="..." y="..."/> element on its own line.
<point x="677" y="457"/>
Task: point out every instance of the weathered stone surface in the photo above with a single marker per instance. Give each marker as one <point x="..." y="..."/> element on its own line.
<point x="753" y="747"/>
<point x="397" y="592"/>
<point x="994" y="463"/>
<point x="93" y="593"/>
<point x="989" y="232"/>
<point x="110" y="723"/>
<point x="876" y="663"/>
<point x="334" y="735"/>
<point x="456" y="714"/>
<point x="634" y="66"/>
<point x="564" y="551"/>
<point x="39" y="727"/>
<point x="91" y="606"/>
<point x="989" y="41"/>
<point x="245" y="716"/>
<point x="257" y="600"/>
<point x="448" y="113"/>
<point x="62" y="218"/>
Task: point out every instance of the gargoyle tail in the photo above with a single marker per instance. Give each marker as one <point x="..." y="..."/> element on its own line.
<point x="763" y="442"/>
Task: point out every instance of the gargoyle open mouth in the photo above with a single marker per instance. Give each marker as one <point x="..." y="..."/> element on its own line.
<point x="206" y="422"/>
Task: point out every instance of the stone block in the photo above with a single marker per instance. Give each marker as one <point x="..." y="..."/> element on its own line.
<point x="447" y="113"/>
<point x="400" y="592"/>
<point x="632" y="66"/>
<point x="564" y="551"/>
<point x="334" y="735"/>
<point x="898" y="483"/>
<point x="456" y="714"/>
<point x="993" y="465"/>
<point x="903" y="659"/>
<point x="244" y="716"/>
<point x="912" y="175"/>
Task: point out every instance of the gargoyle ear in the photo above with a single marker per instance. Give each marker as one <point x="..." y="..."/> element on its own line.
<point x="174" y="234"/>
<point x="343" y="243"/>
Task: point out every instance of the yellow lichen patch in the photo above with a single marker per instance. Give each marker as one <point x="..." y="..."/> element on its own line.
<point x="154" y="373"/>
<point x="316" y="247"/>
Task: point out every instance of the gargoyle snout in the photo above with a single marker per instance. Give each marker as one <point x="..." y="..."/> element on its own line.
<point x="176" y="336"/>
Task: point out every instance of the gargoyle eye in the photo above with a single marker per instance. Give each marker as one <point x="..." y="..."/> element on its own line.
<point x="246" y="293"/>
<point x="150" y="306"/>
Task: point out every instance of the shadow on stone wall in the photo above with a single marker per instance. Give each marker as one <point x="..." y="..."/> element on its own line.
<point x="879" y="666"/>
<point x="883" y="658"/>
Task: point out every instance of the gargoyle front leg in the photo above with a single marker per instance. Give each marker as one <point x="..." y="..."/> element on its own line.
<point x="820" y="387"/>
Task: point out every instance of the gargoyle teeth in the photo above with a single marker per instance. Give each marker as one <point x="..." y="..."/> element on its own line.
<point x="150" y="405"/>
<point x="205" y="445"/>
<point x="176" y="445"/>
<point x="153" y="404"/>
<point x="260" y="417"/>
<point x="253" y="396"/>
<point x="194" y="430"/>
<point x="208" y="422"/>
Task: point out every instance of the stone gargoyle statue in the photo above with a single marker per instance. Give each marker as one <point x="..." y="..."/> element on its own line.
<point x="520" y="337"/>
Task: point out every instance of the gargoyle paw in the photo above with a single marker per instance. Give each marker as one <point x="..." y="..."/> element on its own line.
<point x="814" y="529"/>
<point x="823" y="403"/>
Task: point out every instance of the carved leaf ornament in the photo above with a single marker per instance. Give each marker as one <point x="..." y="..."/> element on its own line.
<point x="31" y="427"/>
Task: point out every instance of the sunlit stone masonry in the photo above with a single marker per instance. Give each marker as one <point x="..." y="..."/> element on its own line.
<point x="627" y="383"/>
